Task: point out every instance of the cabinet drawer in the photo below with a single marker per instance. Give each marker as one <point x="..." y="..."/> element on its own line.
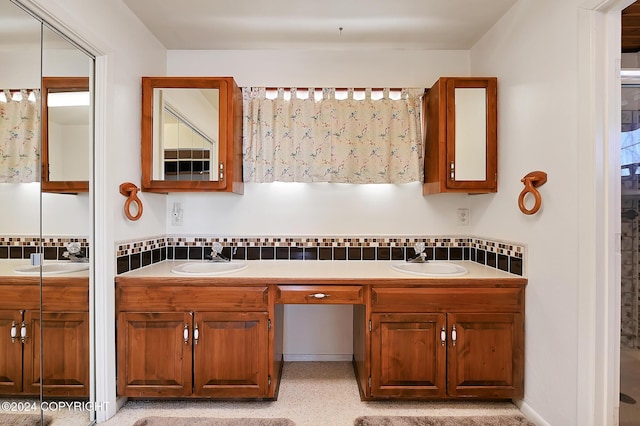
<point x="321" y="294"/>
<point x="186" y="298"/>
<point x="403" y="299"/>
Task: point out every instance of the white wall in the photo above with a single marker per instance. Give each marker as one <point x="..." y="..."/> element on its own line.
<point x="320" y="209"/>
<point x="533" y="52"/>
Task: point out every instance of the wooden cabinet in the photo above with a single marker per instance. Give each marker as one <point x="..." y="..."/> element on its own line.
<point x="218" y="348"/>
<point x="63" y="333"/>
<point x="60" y="334"/>
<point x="412" y="339"/>
<point x="191" y="134"/>
<point x="485" y="355"/>
<point x="407" y="357"/>
<point x="231" y="358"/>
<point x="321" y="294"/>
<point x="154" y="354"/>
<point x="18" y="365"/>
<point x="447" y="343"/>
<point x="461" y="154"/>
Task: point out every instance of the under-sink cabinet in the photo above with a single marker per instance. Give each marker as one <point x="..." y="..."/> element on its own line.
<point x="222" y="337"/>
<point x="447" y="343"/>
<point x="193" y="341"/>
<point x="60" y="332"/>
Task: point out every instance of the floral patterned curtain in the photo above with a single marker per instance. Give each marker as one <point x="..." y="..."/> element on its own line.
<point x="20" y="136"/>
<point x="332" y="140"/>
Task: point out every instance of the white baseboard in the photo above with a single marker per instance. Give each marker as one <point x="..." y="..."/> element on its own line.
<point x="530" y="413"/>
<point x="318" y="357"/>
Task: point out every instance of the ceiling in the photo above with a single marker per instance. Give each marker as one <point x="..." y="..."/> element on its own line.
<point x="631" y="28"/>
<point x="291" y="24"/>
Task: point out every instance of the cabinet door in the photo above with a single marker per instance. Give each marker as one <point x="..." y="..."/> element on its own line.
<point x="65" y="353"/>
<point x="10" y="353"/>
<point x="408" y="357"/>
<point x="461" y="153"/>
<point x="486" y="359"/>
<point x="231" y="357"/>
<point x="154" y="354"/>
<point x="472" y="134"/>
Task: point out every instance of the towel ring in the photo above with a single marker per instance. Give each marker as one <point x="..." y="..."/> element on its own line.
<point x="531" y="182"/>
<point x="130" y="191"/>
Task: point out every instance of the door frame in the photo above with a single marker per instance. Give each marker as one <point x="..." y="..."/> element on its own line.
<point x="599" y="85"/>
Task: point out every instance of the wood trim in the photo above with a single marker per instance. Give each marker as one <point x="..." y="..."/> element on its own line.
<point x="229" y="136"/>
<point x="172" y="298"/>
<point x="399" y="299"/>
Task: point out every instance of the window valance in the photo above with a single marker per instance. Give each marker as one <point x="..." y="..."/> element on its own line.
<point x="331" y="135"/>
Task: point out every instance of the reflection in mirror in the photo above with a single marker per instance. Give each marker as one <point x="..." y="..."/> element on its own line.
<point x="66" y="120"/>
<point x="20" y="214"/>
<point x="187" y="134"/>
<point x="66" y="227"/>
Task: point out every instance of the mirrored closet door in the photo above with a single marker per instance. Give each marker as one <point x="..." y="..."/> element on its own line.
<point x="46" y="222"/>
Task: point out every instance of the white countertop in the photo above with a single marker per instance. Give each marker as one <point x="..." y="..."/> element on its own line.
<point x="318" y="269"/>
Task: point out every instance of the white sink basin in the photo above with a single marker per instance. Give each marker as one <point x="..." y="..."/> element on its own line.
<point x="431" y="269"/>
<point x="209" y="268"/>
<point x="50" y="268"/>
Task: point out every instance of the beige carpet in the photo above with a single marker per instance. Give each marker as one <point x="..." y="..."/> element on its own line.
<point x="442" y="421"/>
<point x="23" y="420"/>
<point x="207" y="421"/>
<point x="312" y="393"/>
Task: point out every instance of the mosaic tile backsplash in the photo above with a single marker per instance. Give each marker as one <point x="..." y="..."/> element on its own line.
<point x="505" y="256"/>
<point x="21" y="247"/>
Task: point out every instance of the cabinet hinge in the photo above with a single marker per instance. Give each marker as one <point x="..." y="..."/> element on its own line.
<point x="370" y="326"/>
<point x="269" y="324"/>
<point x="269" y="381"/>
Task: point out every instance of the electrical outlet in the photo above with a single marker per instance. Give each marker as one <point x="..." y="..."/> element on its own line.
<point x="463" y="216"/>
<point x="176" y="214"/>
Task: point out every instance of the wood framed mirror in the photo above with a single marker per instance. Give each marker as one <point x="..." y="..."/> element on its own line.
<point x="66" y="135"/>
<point x="191" y="134"/>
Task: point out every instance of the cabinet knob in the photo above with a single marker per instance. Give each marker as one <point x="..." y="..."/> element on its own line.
<point x="453" y="171"/>
<point x="319" y="295"/>
<point x="185" y="334"/>
<point x="196" y="334"/>
<point x="443" y="336"/>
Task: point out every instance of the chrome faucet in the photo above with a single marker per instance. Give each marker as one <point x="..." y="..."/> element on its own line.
<point x="74" y="253"/>
<point x="421" y="255"/>
<point x="216" y="254"/>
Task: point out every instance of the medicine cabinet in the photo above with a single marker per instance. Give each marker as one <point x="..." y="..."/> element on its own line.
<point x="461" y="150"/>
<point x="191" y="134"/>
<point x="66" y="134"/>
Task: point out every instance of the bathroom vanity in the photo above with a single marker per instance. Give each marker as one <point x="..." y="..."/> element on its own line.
<point x="58" y="329"/>
<point x="414" y="337"/>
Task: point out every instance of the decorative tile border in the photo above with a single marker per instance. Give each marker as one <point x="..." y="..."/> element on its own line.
<point x="21" y="247"/>
<point x="502" y="255"/>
